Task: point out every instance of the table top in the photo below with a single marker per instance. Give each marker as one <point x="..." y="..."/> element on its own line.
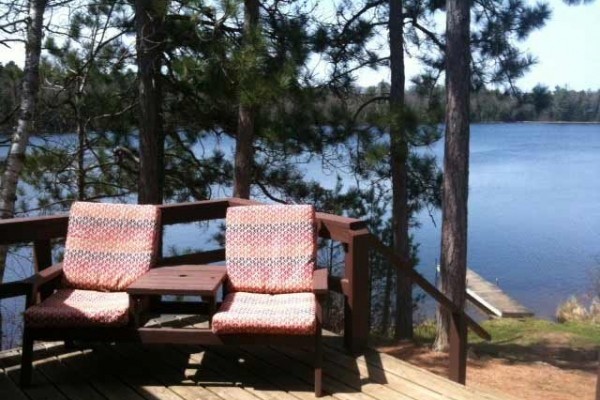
<point x="185" y="280"/>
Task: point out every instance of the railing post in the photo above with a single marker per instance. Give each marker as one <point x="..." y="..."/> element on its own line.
<point x="598" y="379"/>
<point x="458" y="348"/>
<point x="42" y="259"/>
<point x="357" y="299"/>
<point x="42" y="253"/>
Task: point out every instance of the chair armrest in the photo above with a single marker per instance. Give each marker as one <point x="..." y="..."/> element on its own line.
<point x="320" y="286"/>
<point x="45" y="276"/>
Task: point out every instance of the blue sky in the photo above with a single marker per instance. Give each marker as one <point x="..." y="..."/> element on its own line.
<point x="567" y="49"/>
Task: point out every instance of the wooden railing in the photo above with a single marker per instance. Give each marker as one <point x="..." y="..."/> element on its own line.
<point x="354" y="284"/>
<point x="459" y="321"/>
<point x="598" y="379"/>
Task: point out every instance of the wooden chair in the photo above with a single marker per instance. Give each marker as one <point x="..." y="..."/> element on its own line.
<point x="108" y="246"/>
<point x="274" y="292"/>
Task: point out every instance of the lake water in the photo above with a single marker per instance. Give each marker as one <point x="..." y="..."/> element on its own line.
<point x="534" y="212"/>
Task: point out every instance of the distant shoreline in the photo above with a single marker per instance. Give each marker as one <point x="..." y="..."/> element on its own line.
<point x="8" y="135"/>
<point x="561" y="122"/>
<point x="539" y="122"/>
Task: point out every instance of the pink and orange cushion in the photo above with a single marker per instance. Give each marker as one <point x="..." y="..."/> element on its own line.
<point x="270" y="254"/>
<point x="279" y="314"/>
<point x="108" y="247"/>
<point x="80" y="308"/>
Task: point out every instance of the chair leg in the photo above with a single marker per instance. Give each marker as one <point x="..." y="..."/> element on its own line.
<point x="26" y="358"/>
<point x="319" y="351"/>
<point x="319" y="364"/>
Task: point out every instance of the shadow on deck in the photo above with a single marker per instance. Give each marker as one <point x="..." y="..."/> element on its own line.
<point x="168" y="372"/>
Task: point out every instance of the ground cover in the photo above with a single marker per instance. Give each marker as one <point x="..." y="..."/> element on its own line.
<point x="527" y="358"/>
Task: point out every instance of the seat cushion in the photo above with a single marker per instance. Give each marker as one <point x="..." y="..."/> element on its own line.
<point x="270" y="249"/>
<point x="279" y="314"/>
<point x="80" y="308"/>
<point x="109" y="245"/>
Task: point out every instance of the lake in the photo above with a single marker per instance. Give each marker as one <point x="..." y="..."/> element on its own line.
<point x="534" y="212"/>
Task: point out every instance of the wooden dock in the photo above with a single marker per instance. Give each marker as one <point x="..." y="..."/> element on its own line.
<point x="176" y="372"/>
<point x="489" y="298"/>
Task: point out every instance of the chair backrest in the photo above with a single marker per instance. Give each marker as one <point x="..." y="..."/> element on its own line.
<point x="109" y="245"/>
<point x="270" y="248"/>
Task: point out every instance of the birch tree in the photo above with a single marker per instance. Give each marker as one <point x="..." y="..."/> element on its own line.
<point x="26" y="120"/>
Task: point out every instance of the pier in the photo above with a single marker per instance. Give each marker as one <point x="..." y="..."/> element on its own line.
<point x="489" y="298"/>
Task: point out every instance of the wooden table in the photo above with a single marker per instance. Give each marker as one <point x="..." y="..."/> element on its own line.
<point x="182" y="280"/>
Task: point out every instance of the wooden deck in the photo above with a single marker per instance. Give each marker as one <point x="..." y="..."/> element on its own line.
<point x="136" y="372"/>
<point x="489" y="298"/>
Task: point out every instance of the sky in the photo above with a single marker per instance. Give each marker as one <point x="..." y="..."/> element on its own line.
<point x="567" y="49"/>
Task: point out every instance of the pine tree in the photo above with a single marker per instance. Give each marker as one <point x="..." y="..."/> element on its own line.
<point x="455" y="189"/>
<point x="150" y="17"/>
<point x="244" y="150"/>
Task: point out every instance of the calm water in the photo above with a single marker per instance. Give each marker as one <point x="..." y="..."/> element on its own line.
<point x="534" y="212"/>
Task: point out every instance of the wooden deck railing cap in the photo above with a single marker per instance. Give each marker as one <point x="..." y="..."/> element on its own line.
<point x="339" y="220"/>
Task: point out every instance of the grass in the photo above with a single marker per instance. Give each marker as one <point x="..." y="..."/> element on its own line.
<point x="530" y="339"/>
<point x="527" y="331"/>
<point x="531" y="331"/>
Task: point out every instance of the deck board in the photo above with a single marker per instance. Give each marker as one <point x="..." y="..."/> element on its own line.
<point x="384" y="367"/>
<point x="102" y="379"/>
<point x="173" y="378"/>
<point x="8" y="389"/>
<point x="298" y="388"/>
<point x="68" y="381"/>
<point x="166" y="372"/>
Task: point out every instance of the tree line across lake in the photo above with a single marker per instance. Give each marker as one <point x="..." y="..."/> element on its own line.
<point x="542" y="104"/>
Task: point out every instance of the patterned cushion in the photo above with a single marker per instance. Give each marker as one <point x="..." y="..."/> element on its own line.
<point x="279" y="314"/>
<point x="80" y="308"/>
<point x="270" y="249"/>
<point x="109" y="245"/>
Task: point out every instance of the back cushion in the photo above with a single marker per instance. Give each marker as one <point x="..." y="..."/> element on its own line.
<point x="109" y="245"/>
<point x="270" y="249"/>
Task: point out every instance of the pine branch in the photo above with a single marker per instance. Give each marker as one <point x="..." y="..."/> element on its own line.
<point x="431" y="35"/>
<point x="360" y="13"/>
<point x="266" y="192"/>
<point x="366" y="103"/>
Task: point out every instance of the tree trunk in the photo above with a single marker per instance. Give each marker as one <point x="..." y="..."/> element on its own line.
<point x="81" y="143"/>
<point x="387" y="293"/>
<point x="244" y="153"/>
<point x="81" y="138"/>
<point x="455" y="187"/>
<point x="244" y="150"/>
<point x="399" y="155"/>
<point x="149" y="22"/>
<point x="27" y="110"/>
